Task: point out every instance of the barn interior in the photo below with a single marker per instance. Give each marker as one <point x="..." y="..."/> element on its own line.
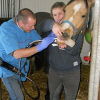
<point x="9" y="9"/>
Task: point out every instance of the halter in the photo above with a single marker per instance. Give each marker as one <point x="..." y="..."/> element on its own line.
<point x="74" y="29"/>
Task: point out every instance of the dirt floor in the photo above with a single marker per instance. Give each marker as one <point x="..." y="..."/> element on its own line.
<point x="40" y="78"/>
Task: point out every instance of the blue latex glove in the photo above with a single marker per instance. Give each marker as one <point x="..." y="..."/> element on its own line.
<point x="52" y="35"/>
<point x="45" y="42"/>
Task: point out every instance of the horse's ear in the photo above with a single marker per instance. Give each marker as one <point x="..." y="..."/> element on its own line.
<point x="91" y="3"/>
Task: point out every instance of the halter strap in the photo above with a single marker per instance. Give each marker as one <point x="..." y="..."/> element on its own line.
<point x="76" y="30"/>
<point x="66" y="21"/>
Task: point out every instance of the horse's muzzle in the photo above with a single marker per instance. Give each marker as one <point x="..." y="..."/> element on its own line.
<point x="65" y="35"/>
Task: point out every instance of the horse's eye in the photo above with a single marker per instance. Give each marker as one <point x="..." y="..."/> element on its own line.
<point x="83" y="16"/>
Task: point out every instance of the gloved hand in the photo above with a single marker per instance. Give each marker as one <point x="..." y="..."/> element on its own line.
<point x="45" y="42"/>
<point x="52" y="35"/>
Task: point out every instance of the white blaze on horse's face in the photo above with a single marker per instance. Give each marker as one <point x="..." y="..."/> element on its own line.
<point x="76" y="9"/>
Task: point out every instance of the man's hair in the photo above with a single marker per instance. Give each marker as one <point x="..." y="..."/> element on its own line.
<point x="24" y="14"/>
<point x="58" y="5"/>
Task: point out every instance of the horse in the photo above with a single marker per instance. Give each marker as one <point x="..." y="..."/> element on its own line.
<point x="76" y="19"/>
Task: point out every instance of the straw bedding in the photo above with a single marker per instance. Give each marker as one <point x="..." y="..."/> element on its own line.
<point x="40" y="78"/>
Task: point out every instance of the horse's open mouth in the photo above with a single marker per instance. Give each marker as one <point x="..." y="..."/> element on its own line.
<point x="65" y="36"/>
<point x="64" y="39"/>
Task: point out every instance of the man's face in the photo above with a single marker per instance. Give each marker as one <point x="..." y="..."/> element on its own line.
<point x="29" y="25"/>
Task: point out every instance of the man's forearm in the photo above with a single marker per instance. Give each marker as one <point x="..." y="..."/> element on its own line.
<point x="23" y="53"/>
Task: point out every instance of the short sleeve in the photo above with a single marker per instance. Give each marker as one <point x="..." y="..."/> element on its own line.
<point x="8" y="39"/>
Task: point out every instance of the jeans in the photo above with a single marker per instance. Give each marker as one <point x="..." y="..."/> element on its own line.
<point x="12" y="84"/>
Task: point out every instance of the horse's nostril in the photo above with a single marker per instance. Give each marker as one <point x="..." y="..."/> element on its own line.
<point x="65" y="35"/>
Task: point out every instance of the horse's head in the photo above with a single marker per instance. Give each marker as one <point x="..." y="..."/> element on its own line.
<point x="76" y="17"/>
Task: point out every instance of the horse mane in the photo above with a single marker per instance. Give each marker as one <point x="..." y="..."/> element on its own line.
<point x="85" y="1"/>
<point x="70" y="2"/>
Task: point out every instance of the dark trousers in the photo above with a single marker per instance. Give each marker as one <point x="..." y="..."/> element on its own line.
<point x="68" y="81"/>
